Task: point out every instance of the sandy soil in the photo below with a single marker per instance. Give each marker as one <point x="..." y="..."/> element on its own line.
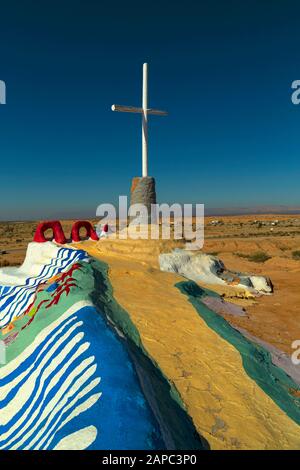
<point x="275" y="318"/>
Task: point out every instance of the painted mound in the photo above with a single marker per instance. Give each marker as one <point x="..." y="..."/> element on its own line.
<point x="67" y="381"/>
<point x="176" y="375"/>
<point x="238" y="393"/>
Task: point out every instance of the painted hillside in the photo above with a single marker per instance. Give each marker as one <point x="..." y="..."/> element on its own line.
<point x="102" y="349"/>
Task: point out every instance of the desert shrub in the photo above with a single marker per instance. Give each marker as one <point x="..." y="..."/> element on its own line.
<point x="4" y="263"/>
<point x="258" y="257"/>
<point x="241" y="255"/>
<point x="296" y="254"/>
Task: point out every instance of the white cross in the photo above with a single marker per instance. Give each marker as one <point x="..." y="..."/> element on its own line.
<point x="144" y="111"/>
<point x="2" y="92"/>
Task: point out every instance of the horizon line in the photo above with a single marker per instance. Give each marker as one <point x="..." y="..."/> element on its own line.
<point x="209" y="212"/>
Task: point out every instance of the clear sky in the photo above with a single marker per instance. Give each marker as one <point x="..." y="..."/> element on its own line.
<point x="222" y="69"/>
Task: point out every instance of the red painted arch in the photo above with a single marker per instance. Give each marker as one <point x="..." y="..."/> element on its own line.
<point x="90" y="232"/>
<point x="58" y="233"/>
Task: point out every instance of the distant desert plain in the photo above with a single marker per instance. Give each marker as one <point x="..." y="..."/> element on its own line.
<point x="267" y="245"/>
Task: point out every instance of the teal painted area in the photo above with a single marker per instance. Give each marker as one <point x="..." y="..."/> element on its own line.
<point x="256" y="360"/>
<point x="103" y="297"/>
<point x="84" y="286"/>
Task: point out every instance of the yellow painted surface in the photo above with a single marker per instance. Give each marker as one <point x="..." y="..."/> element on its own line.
<point x="32" y="312"/>
<point x="227" y="407"/>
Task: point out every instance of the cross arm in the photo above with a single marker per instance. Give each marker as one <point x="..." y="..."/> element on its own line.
<point x="158" y="112"/>
<point x="132" y="109"/>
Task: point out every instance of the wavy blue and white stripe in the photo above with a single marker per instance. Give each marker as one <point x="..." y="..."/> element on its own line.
<point x="14" y="300"/>
<point x="47" y="386"/>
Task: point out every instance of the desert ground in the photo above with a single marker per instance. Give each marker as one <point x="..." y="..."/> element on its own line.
<point x="266" y="245"/>
<point x="255" y="245"/>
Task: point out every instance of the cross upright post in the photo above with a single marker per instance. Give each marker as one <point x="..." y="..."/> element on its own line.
<point x="144" y="111"/>
<point x="143" y="188"/>
<point x="145" y="122"/>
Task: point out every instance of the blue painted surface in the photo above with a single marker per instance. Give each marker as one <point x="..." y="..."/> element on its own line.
<point x="52" y="287"/>
<point x="121" y="414"/>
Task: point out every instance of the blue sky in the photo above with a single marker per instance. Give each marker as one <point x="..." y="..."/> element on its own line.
<point x="222" y="69"/>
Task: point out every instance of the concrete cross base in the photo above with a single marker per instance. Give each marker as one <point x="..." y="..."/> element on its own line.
<point x="143" y="192"/>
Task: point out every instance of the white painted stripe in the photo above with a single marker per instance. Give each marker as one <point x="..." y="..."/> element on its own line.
<point x="78" y="440"/>
<point x="26" y="391"/>
<point x="12" y="365"/>
<point x="76" y="412"/>
<point x="62" y="406"/>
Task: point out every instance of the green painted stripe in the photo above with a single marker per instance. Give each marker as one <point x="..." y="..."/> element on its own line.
<point x="45" y="316"/>
<point x="257" y="361"/>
